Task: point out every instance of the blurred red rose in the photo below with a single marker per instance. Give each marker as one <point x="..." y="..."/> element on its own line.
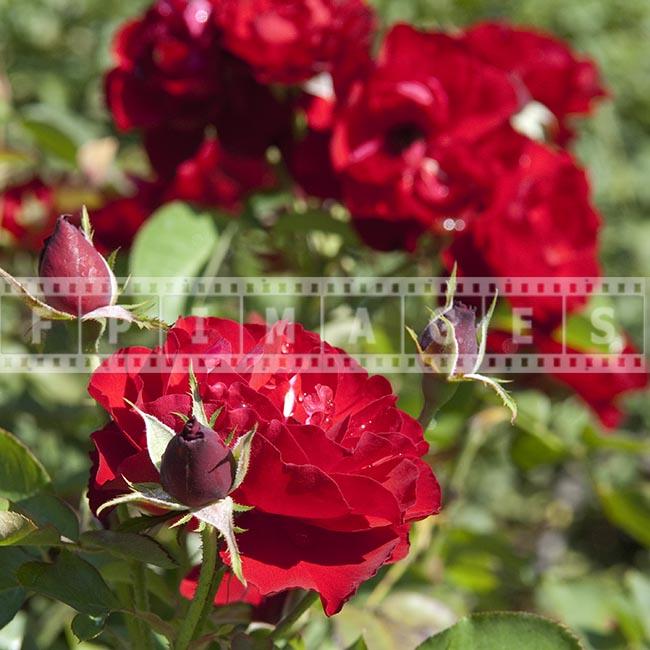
<point x="215" y="177"/>
<point x="403" y="143"/>
<point x="540" y="223"/>
<point x="600" y="389"/>
<point x="547" y="69"/>
<point x="27" y="213"/>
<point x="308" y="160"/>
<point x="251" y="116"/>
<point x="167" y="67"/>
<point x="118" y="220"/>
<point x="289" y="42"/>
<point x="335" y="477"/>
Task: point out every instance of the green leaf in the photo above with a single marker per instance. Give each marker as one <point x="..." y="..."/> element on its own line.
<point x="14" y="528"/>
<point x="242" y="453"/>
<point x="129" y="546"/>
<point x="291" y="224"/>
<point x="149" y="493"/>
<point x="159" y="435"/>
<point x="639" y="587"/>
<point x="18" y="530"/>
<point x="11" y="601"/>
<point x="37" y="306"/>
<point x="507" y="399"/>
<point x="530" y="451"/>
<point x="144" y="522"/>
<point x="482" y="333"/>
<point x="198" y="410"/>
<point x="86" y="627"/>
<point x="71" y="580"/>
<point x="21" y="475"/>
<point x="220" y="515"/>
<point x="359" y="644"/>
<point x="47" y="509"/>
<point x="12" y="595"/>
<point x="51" y="139"/>
<point x="628" y="509"/>
<point x="175" y="242"/>
<point x="503" y="631"/>
<point x="615" y="441"/>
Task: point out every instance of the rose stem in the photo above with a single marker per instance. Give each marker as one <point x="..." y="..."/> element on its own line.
<point x="285" y="625"/>
<point x="129" y="595"/>
<point x="141" y="600"/>
<point x="200" y="606"/>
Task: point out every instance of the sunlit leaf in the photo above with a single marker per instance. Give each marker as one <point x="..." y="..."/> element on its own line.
<point x="21" y="475"/>
<point x="504" y="631"/>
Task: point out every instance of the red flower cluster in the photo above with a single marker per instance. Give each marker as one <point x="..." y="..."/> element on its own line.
<point x="419" y="139"/>
<point x="190" y="68"/>
<point x="336" y="475"/>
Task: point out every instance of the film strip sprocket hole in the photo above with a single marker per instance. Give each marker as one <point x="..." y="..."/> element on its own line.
<point x="518" y="349"/>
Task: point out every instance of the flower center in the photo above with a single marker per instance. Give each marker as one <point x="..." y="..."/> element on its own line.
<point x="401" y="137"/>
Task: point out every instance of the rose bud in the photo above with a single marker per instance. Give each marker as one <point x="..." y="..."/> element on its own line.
<point x="68" y="253"/>
<point x="437" y="337"/>
<point x="197" y="467"/>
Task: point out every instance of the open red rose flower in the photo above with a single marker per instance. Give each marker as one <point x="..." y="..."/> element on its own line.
<point x="167" y="67"/>
<point x="336" y="474"/>
<point x="540" y="222"/>
<point x="545" y="67"/>
<point x="289" y="42"/>
<point x="403" y="144"/>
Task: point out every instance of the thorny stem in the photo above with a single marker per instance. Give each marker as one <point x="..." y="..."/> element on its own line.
<point x="285" y="625"/>
<point x="200" y="606"/>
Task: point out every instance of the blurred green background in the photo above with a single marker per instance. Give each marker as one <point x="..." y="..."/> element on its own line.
<point x="551" y="516"/>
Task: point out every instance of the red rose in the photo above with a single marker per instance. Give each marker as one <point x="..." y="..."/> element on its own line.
<point x="215" y="177"/>
<point x="27" y="213"/>
<point x="403" y="144"/>
<point x="540" y="223"/>
<point x="289" y="42"/>
<point x="547" y="69"/>
<point x="335" y="476"/>
<point x="168" y="67"/>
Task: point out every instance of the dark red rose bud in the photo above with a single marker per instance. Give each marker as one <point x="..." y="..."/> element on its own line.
<point x="197" y="467"/>
<point x="69" y="254"/>
<point x="436" y="337"/>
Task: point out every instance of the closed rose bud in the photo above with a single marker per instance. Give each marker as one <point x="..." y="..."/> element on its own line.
<point x="197" y="467"/>
<point x="69" y="254"/>
<point x="437" y="337"/>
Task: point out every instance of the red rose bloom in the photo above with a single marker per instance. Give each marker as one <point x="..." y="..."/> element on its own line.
<point x="335" y="476"/>
<point x="403" y="143"/>
<point x="167" y="67"/>
<point x="540" y="223"/>
<point x="215" y="177"/>
<point x="289" y="42"/>
<point x="548" y="71"/>
<point x="27" y="213"/>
